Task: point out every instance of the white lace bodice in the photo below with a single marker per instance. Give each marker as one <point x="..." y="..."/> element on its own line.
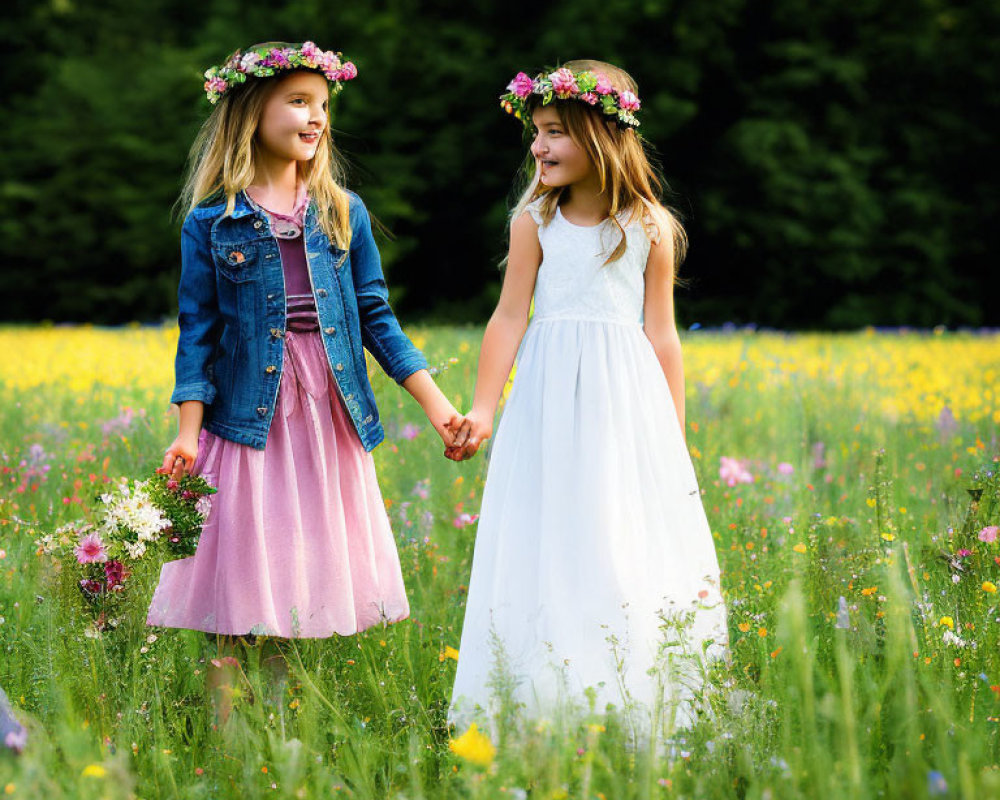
<point x="574" y="282"/>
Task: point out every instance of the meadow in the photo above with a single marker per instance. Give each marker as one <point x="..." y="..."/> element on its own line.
<point x="860" y="571"/>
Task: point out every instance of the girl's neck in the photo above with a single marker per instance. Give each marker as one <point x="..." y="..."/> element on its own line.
<point x="275" y="184"/>
<point x="585" y="203"/>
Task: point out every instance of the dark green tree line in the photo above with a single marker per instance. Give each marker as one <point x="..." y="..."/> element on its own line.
<point x="833" y="161"/>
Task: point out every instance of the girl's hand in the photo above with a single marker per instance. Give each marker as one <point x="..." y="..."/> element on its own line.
<point x="447" y="427"/>
<point x="475" y="429"/>
<point x="180" y="457"/>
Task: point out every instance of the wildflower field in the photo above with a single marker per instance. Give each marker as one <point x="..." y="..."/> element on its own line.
<point x="850" y="483"/>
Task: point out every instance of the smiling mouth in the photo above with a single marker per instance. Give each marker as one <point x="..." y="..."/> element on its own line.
<point x="549" y="163"/>
<point x="310" y="138"/>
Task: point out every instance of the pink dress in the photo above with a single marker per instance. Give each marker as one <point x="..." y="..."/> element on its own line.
<point x="297" y="543"/>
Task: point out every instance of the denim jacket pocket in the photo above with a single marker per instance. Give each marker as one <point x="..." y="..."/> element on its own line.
<point x="236" y="262"/>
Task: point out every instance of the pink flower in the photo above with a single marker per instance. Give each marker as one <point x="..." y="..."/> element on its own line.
<point x="603" y="85"/>
<point x="563" y="83"/>
<point x="590" y="97"/>
<point x="733" y="471"/>
<point x="348" y="72"/>
<point x="785" y="468"/>
<point x="116" y="574"/>
<point x="91" y="588"/>
<point x="628" y="101"/>
<point x="311" y="51"/>
<point x="91" y="549"/>
<point x="16" y="740"/>
<point x="410" y="431"/>
<point x="248" y="62"/>
<point x="964" y="553"/>
<point x="989" y="534"/>
<point x="521" y="85"/>
<point x="465" y="519"/>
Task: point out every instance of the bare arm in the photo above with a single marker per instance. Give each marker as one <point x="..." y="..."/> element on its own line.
<point x="504" y="331"/>
<point x="659" y="323"/>
<point x="436" y="406"/>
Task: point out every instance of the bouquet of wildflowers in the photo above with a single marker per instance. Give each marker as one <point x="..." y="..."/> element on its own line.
<point x="137" y="525"/>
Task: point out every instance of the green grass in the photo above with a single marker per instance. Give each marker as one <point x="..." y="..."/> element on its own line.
<point x="804" y="709"/>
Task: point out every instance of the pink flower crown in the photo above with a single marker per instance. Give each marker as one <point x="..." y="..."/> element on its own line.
<point x="589" y="87"/>
<point x="265" y="60"/>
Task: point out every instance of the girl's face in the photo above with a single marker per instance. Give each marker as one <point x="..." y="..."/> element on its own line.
<point x="294" y="117"/>
<point x="561" y="161"/>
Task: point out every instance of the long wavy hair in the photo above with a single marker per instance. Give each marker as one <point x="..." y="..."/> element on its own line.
<point x="625" y="164"/>
<point x="222" y="159"/>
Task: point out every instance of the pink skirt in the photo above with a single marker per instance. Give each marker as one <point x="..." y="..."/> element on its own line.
<point x="297" y="543"/>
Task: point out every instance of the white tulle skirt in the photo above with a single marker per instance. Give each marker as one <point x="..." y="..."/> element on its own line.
<point x="595" y="577"/>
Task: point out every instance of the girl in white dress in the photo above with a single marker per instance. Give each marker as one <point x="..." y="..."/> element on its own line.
<point x="595" y="579"/>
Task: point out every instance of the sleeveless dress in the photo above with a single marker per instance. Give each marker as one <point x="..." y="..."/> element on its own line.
<point x="592" y="533"/>
<point x="297" y="542"/>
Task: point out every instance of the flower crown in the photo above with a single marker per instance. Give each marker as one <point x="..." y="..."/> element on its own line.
<point x="265" y="60"/>
<point x="592" y="88"/>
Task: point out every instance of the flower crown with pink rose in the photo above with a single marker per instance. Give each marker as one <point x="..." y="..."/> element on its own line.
<point x="589" y="87"/>
<point x="263" y="61"/>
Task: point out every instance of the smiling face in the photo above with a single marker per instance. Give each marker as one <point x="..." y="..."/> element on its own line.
<point x="294" y="117"/>
<point x="561" y="161"/>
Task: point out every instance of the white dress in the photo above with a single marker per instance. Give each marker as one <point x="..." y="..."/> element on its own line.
<point x="592" y="535"/>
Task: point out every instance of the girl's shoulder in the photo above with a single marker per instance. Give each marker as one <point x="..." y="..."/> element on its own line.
<point x="534" y="209"/>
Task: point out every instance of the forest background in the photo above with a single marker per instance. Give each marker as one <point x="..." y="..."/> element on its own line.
<point x="834" y="162"/>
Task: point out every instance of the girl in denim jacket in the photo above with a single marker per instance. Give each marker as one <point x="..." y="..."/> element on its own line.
<point x="281" y="292"/>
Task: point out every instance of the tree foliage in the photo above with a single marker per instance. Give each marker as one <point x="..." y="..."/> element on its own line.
<point x="832" y="160"/>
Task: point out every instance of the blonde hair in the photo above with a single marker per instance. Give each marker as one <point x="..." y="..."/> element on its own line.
<point x="624" y="162"/>
<point x="222" y="160"/>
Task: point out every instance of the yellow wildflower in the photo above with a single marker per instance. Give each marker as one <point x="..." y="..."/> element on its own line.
<point x="947" y="622"/>
<point x="448" y="652"/>
<point x="989" y="587"/>
<point x="799" y="548"/>
<point x="473" y="746"/>
<point x="94" y="771"/>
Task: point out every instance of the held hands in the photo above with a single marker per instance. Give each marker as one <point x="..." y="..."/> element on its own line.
<point x="468" y="433"/>
<point x="180" y="457"/>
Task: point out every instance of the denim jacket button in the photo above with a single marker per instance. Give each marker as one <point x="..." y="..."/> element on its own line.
<point x="340" y="367"/>
<point x="321" y="292"/>
<point x="270" y="296"/>
<point x="271" y="369"/>
<point x="262" y="410"/>
<point x="257" y="224"/>
<point x="277" y="333"/>
<point x="330" y="331"/>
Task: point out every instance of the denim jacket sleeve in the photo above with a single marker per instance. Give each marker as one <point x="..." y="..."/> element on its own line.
<point x="198" y="315"/>
<point x="381" y="333"/>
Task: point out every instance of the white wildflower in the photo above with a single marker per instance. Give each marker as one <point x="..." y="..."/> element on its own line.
<point x="136" y="550"/>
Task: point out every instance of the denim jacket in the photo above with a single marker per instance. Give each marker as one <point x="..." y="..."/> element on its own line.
<point x="232" y="319"/>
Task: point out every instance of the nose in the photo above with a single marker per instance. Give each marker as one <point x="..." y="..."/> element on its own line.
<point x="537" y="148"/>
